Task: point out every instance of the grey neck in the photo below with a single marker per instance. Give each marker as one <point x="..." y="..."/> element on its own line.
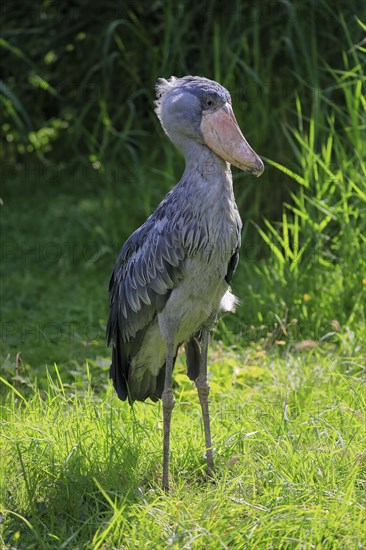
<point x="201" y="160"/>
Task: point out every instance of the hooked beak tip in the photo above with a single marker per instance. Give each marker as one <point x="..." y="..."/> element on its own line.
<point x="260" y="168"/>
<point x="256" y="168"/>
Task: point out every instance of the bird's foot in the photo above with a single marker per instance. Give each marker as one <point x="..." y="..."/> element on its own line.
<point x="166" y="486"/>
<point x="210" y="473"/>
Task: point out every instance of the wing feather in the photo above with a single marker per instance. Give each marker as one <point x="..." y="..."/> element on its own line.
<point x="149" y="266"/>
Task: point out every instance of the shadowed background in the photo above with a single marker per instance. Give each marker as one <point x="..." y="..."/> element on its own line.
<point x="85" y="161"/>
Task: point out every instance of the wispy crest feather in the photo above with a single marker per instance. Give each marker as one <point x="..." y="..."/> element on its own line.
<point x="162" y="87"/>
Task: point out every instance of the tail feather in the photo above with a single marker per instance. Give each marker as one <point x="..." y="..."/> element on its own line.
<point x="193" y="358"/>
<point x="119" y="371"/>
<point x="149" y="386"/>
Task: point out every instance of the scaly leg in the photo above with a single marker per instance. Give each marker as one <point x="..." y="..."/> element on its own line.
<point x="203" y="389"/>
<point x="168" y="405"/>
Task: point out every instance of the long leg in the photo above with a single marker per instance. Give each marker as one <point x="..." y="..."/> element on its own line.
<point x="203" y="389"/>
<point x="168" y="405"/>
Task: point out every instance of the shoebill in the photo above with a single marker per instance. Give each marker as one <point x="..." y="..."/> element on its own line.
<point x="173" y="274"/>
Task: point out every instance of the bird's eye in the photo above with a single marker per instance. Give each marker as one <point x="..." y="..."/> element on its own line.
<point x="209" y="103"/>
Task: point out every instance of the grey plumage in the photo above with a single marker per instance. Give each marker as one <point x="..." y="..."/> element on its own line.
<point x="153" y="261"/>
<point x="173" y="273"/>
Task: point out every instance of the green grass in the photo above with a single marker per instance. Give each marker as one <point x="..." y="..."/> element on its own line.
<point x="81" y="470"/>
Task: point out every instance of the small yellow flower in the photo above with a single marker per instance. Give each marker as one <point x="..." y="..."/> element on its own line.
<point x="307" y="297"/>
<point x="364" y="281"/>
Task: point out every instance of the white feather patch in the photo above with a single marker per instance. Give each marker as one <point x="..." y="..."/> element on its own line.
<point x="229" y="302"/>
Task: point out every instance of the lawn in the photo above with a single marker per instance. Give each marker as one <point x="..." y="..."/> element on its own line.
<point x="82" y="470"/>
